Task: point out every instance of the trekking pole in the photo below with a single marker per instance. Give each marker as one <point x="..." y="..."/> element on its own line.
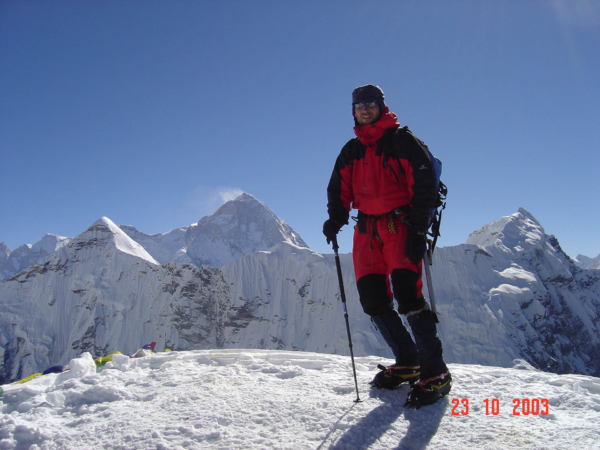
<point x="427" y="263"/>
<point x="343" y="294"/>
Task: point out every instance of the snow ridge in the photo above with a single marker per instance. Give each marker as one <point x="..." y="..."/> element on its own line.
<point x="104" y="231"/>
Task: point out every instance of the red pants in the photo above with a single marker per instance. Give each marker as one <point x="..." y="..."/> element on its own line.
<point x="381" y="251"/>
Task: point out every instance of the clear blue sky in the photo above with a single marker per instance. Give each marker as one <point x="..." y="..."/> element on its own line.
<point x="150" y="111"/>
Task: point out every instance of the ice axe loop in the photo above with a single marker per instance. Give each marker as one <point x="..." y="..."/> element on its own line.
<point x="343" y="295"/>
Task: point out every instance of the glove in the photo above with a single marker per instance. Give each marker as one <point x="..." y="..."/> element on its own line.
<point x="416" y="245"/>
<point x="331" y="228"/>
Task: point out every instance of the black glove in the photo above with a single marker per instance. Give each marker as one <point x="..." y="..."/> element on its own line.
<point x="416" y="245"/>
<point x="331" y="228"/>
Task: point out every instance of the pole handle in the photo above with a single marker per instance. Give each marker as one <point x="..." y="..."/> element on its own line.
<point x="334" y="244"/>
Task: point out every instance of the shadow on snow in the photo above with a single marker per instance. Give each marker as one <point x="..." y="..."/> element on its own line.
<point x="422" y="423"/>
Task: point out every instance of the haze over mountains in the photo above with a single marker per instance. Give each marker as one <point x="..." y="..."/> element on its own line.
<point x="242" y="278"/>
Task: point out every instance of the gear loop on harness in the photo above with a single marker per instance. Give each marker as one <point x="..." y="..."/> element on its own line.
<point x="367" y="224"/>
<point x="399" y="214"/>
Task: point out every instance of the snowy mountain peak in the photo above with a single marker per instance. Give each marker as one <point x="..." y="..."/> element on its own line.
<point x="103" y="221"/>
<point x="239" y="227"/>
<point x="245" y="197"/>
<point x="104" y="231"/>
<point x="513" y="233"/>
<point x="13" y="262"/>
<point x="585" y="262"/>
<point x="4" y="252"/>
<point x="49" y="243"/>
<point x="244" y="205"/>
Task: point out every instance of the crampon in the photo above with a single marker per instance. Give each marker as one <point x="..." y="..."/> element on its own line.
<point x="393" y="376"/>
<point x="427" y="392"/>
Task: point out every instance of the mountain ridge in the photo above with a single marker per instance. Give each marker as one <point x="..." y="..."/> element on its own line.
<point x="198" y="244"/>
<point x="510" y="294"/>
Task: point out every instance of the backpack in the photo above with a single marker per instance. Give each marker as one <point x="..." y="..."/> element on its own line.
<point x="442" y="191"/>
<point x="440" y="204"/>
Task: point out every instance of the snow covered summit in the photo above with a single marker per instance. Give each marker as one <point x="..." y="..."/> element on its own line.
<point x="511" y="292"/>
<point x="239" y="227"/>
<point x="513" y="233"/>
<point x="13" y="262"/>
<point x="104" y="232"/>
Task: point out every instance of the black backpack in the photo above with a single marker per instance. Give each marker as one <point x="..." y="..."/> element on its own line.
<point x="442" y="191"/>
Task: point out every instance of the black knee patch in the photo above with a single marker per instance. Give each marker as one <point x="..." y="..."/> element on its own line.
<point x="404" y="282"/>
<point x="423" y="316"/>
<point x="373" y="293"/>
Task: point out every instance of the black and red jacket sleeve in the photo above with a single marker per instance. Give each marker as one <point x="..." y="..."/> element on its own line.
<point x="340" y="193"/>
<point x="420" y="177"/>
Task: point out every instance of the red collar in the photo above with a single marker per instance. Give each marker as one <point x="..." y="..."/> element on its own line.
<point x="369" y="134"/>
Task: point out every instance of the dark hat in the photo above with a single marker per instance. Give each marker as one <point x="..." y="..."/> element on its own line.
<point x="368" y="93"/>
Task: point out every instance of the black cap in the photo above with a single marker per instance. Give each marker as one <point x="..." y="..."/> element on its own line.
<point x="368" y="93"/>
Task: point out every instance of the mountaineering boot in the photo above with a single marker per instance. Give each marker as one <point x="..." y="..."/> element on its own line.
<point x="423" y="325"/>
<point x="429" y="391"/>
<point x="393" y="376"/>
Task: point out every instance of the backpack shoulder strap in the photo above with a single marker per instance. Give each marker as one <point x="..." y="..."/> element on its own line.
<point x="393" y="138"/>
<point x="400" y="134"/>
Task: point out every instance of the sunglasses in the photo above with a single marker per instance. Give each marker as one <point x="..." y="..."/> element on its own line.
<point x="361" y="105"/>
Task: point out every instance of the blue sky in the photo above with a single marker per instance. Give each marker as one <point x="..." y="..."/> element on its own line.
<point x="153" y="112"/>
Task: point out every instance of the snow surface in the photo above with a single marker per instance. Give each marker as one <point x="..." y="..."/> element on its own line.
<point x="257" y="399"/>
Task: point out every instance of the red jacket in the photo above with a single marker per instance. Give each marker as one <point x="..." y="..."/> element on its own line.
<point x="383" y="168"/>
